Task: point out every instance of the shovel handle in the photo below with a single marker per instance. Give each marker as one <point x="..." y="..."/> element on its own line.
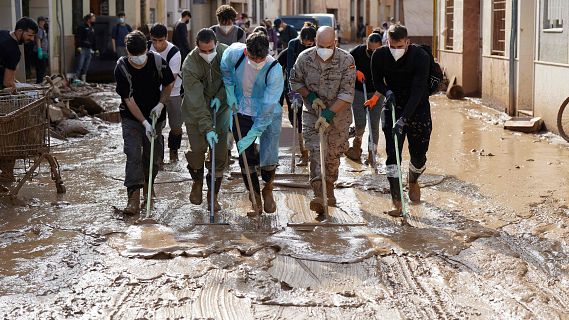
<point x="403" y="207"/>
<point x="151" y="169"/>
<point x="245" y="162"/>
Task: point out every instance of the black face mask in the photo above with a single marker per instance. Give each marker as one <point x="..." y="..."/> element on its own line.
<point x="187" y="21"/>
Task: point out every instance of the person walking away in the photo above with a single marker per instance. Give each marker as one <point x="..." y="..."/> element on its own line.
<point x="180" y="34"/>
<point x="85" y="46"/>
<point x="325" y="77"/>
<point x="24" y="32"/>
<point x="225" y="30"/>
<point x="254" y="83"/>
<point x="171" y="54"/>
<point x="41" y="50"/>
<point x="304" y="41"/>
<point x="286" y="32"/>
<point x="144" y="82"/>
<point x="204" y="98"/>
<point x="362" y="56"/>
<point x="119" y="31"/>
<point x="401" y="73"/>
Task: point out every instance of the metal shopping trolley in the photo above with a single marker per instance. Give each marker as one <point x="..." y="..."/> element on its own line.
<point x="24" y="134"/>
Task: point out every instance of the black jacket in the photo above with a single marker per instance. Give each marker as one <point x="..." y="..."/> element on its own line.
<point x="180" y="39"/>
<point x="407" y="77"/>
<point x="85" y="37"/>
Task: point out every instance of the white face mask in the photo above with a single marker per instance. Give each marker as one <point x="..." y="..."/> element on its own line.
<point x="397" y="53"/>
<point x="256" y="65"/>
<point x="138" y="60"/>
<point x="208" y="57"/>
<point x="325" y="53"/>
<point x="226" y="29"/>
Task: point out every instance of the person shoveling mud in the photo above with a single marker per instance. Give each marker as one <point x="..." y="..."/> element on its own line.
<point x="139" y="78"/>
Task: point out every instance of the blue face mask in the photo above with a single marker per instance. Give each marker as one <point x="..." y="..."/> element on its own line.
<point x="121" y="20"/>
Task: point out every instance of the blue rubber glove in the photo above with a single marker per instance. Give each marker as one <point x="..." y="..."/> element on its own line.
<point x="215" y="103"/>
<point x="211" y="138"/>
<point x="230" y="92"/>
<point x="247" y="140"/>
<point x="40" y="53"/>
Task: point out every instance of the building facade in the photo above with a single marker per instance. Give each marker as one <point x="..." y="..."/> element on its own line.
<point x="514" y="54"/>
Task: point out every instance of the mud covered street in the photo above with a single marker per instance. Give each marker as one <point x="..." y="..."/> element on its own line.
<point x="489" y="240"/>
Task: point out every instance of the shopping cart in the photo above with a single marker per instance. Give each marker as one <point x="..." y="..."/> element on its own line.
<point x="24" y="134"/>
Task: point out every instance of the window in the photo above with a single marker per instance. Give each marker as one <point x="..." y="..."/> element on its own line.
<point x="449" y="24"/>
<point x="499" y="27"/>
<point x="554" y="14"/>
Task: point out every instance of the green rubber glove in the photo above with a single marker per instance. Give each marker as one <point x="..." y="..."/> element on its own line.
<point x="40" y="53"/>
<point x="230" y="92"/>
<point x="215" y="103"/>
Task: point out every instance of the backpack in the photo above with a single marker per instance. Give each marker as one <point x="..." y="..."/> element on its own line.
<point x="242" y="57"/>
<point x="169" y="57"/>
<point x="121" y="64"/>
<point x="240" y="32"/>
<point x="435" y="71"/>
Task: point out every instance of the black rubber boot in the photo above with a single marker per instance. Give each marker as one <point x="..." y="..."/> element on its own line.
<point x="256" y="190"/>
<point x="396" y="211"/>
<point x="216" y="188"/>
<point x="197" y="186"/>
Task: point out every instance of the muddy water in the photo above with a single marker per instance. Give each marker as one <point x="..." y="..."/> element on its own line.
<point x="489" y="238"/>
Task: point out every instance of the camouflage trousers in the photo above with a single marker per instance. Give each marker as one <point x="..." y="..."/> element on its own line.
<point x="335" y="142"/>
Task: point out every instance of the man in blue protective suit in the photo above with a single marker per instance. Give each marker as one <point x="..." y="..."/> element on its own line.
<point x="254" y="84"/>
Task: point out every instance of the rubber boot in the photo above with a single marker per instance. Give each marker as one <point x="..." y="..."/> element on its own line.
<point x="396" y="210"/>
<point x="256" y="191"/>
<point x="354" y="153"/>
<point x="133" y="202"/>
<point x="174" y="143"/>
<point x="196" y="193"/>
<point x="173" y="155"/>
<point x="145" y="195"/>
<point x="330" y="193"/>
<point x="217" y="186"/>
<point x="414" y="188"/>
<point x="269" y="202"/>
<point x="303" y="152"/>
<point x="7" y="167"/>
<point x="317" y="203"/>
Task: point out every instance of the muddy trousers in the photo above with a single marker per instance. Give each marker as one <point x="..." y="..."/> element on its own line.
<point x="174" y="111"/>
<point x="253" y="156"/>
<point x="359" y="113"/>
<point x="418" y="134"/>
<point x="198" y="146"/>
<point x="336" y="143"/>
<point x="137" y="150"/>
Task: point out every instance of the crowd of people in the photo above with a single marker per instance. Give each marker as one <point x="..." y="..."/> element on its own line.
<point x="232" y="86"/>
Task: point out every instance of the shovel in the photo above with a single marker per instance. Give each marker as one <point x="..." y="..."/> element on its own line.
<point x="403" y="206"/>
<point x="147" y="219"/>
<point x="372" y="148"/>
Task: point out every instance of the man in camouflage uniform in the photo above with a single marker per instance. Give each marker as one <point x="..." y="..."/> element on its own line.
<point x="325" y="77"/>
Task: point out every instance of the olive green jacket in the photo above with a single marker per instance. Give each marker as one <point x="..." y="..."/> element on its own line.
<point x="202" y="82"/>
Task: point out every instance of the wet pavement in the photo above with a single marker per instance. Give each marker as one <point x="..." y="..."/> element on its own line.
<point x="489" y="240"/>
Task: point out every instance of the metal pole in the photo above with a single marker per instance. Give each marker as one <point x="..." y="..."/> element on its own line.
<point x="513" y="51"/>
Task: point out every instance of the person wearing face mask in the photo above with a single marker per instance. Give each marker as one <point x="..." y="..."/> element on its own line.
<point x="171" y="54"/>
<point x="144" y="82"/>
<point x="24" y="31"/>
<point x="362" y="56"/>
<point x="85" y="42"/>
<point x="180" y="34"/>
<point x="400" y="72"/>
<point x="286" y="32"/>
<point x="254" y="84"/>
<point x="119" y="31"/>
<point x="304" y="41"/>
<point x="226" y="31"/>
<point x="204" y="98"/>
<point x="325" y="76"/>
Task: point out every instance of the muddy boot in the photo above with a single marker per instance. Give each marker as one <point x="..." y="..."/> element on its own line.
<point x="414" y="188"/>
<point x="303" y="152"/>
<point x="145" y="195"/>
<point x="317" y="203"/>
<point x="354" y="153"/>
<point x="396" y="210"/>
<point x="133" y="204"/>
<point x="269" y="202"/>
<point x="197" y="186"/>
<point x="173" y="155"/>
<point x="256" y="190"/>
<point x="330" y="193"/>
<point x="174" y="143"/>
<point x="216" y="205"/>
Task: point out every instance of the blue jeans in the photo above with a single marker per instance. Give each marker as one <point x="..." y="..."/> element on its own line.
<point x="83" y="61"/>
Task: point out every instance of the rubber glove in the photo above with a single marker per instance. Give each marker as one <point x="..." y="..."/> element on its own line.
<point x="215" y="103"/>
<point x="247" y="140"/>
<point x="211" y="138"/>
<point x="324" y="120"/>
<point x="317" y="103"/>
<point x="399" y="126"/>
<point x="45" y="56"/>
<point x="40" y="53"/>
<point x="230" y="92"/>
<point x="360" y="76"/>
<point x="150" y="132"/>
<point x="157" y="110"/>
<point x="371" y="102"/>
